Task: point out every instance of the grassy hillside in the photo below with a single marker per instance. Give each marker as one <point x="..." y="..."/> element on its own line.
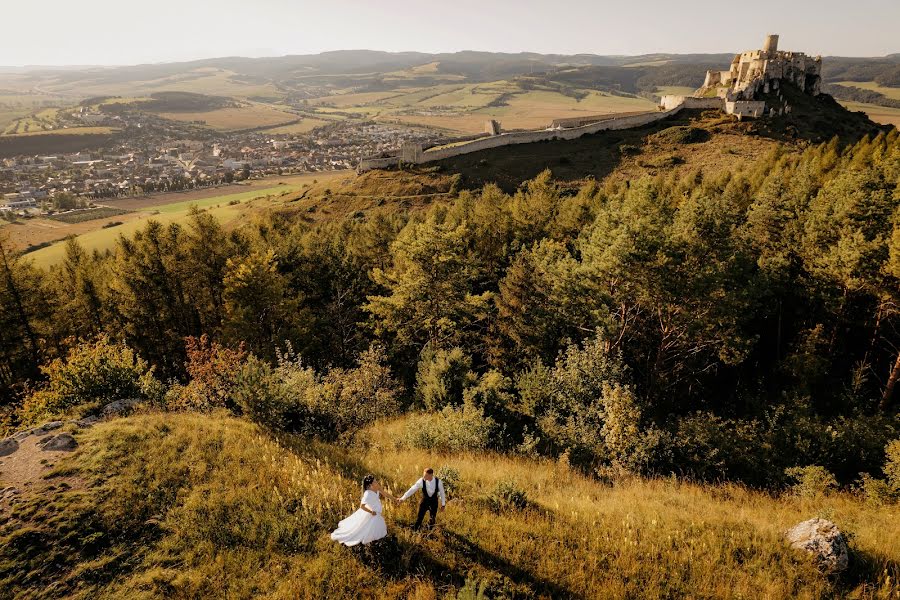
<point x="189" y="505"/>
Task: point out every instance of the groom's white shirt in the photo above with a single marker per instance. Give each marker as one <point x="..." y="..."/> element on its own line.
<point x="429" y="485"/>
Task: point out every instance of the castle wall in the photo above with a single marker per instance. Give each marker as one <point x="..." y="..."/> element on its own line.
<point x="670" y="102"/>
<point x="369" y="164"/>
<point x="529" y="137"/>
<point x="746" y="108"/>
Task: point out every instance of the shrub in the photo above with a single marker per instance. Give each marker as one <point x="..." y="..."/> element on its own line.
<point x="214" y="371"/>
<point x="442" y="377"/>
<point x="811" y="481"/>
<point x="92" y="374"/>
<point x="875" y="491"/>
<point x="710" y="447"/>
<point x="507" y="495"/>
<point x="350" y="399"/>
<point x="681" y="135"/>
<point x="629" y="447"/>
<point x="450" y="478"/>
<point x="451" y="430"/>
<point x="492" y="394"/>
<point x="892" y="466"/>
<point x="261" y="393"/>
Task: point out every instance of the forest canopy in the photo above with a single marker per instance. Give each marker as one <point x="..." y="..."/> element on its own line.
<point x="729" y="326"/>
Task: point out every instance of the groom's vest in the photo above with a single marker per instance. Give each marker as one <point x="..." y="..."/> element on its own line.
<point x="437" y="482"/>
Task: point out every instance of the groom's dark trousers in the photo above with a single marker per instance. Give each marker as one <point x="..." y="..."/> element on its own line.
<point x="427" y="505"/>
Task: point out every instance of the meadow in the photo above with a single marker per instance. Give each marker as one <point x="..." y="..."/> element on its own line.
<point x="249" y="116"/>
<point x="879" y="114"/>
<point x="190" y="505"/>
<point x="890" y="92"/>
<point x="464" y="107"/>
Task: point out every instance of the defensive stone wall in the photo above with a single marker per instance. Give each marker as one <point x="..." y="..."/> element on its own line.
<point x="670" y="102"/>
<point x="415" y="154"/>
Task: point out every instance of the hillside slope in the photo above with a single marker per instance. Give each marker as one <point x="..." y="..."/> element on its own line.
<point x="190" y="505"/>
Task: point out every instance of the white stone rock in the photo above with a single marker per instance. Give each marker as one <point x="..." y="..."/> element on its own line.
<point x="824" y="541"/>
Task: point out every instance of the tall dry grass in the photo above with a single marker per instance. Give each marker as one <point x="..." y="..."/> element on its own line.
<point x="186" y="506"/>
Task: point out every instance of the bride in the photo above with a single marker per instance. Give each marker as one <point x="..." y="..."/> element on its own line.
<point x="366" y="524"/>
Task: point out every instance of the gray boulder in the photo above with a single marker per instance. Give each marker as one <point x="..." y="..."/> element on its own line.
<point x="86" y="422"/>
<point x="8" y="446"/>
<point x="60" y="443"/>
<point x="824" y="541"/>
<point x="118" y="408"/>
<point x="47" y="428"/>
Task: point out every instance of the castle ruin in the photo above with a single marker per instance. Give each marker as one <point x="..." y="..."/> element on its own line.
<point x="759" y="71"/>
<point x="756" y="76"/>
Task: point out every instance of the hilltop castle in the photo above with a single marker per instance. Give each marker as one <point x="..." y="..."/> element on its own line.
<point x="756" y="76"/>
<point x="752" y="87"/>
<point x="758" y="71"/>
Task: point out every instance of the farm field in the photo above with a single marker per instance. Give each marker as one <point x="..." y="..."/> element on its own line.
<point x="252" y="116"/>
<point x="890" y="92"/>
<point x="304" y="126"/>
<point x="167" y="208"/>
<point x="463" y="108"/>
<point x="879" y="114"/>
<point x="206" y="80"/>
<point x="64" y="131"/>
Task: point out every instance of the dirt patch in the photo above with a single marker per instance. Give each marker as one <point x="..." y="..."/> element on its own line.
<point x="24" y="470"/>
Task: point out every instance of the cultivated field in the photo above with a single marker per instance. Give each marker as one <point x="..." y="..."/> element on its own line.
<point x="890" y="92"/>
<point x="879" y="114"/>
<point x="250" y="116"/>
<point x="463" y="108"/>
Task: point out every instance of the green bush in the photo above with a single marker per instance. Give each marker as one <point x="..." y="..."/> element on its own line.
<point x="350" y="399"/>
<point x="892" y="466"/>
<point x="492" y="394"/>
<point x="811" y="481"/>
<point x="507" y="495"/>
<point x="876" y="491"/>
<point x="452" y="430"/>
<point x="681" y="135"/>
<point x="450" y="478"/>
<point x="442" y="377"/>
<point x="92" y="374"/>
<point x="272" y="396"/>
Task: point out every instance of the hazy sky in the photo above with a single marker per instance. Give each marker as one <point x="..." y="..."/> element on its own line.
<point x="126" y="32"/>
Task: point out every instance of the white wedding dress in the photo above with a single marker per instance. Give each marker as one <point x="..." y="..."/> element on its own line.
<point x="362" y="527"/>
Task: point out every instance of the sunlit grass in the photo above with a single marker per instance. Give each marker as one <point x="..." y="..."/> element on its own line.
<point x="186" y="505"/>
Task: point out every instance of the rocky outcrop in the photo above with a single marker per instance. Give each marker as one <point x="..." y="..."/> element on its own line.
<point x="119" y="408"/>
<point x="824" y="541"/>
<point x="8" y="446"/>
<point x="63" y="442"/>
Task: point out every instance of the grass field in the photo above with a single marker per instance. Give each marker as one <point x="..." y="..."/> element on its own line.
<point x="304" y="126"/>
<point x="251" y="116"/>
<point x="227" y="204"/>
<point x="464" y="107"/>
<point x="190" y="505"/>
<point x="890" y="92"/>
<point x="879" y="114"/>
<point x="64" y="131"/>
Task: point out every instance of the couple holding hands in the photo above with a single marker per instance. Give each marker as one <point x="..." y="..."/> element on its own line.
<point x="367" y="525"/>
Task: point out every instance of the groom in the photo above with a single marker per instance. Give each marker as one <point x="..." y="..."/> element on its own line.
<point x="431" y="488"/>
